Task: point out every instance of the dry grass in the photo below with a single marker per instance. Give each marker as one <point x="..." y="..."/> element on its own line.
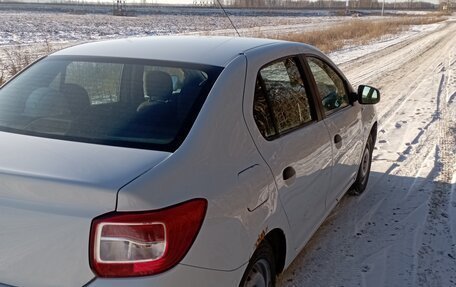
<point x="16" y="58"/>
<point x="2" y="73"/>
<point x="13" y="62"/>
<point x="356" y="32"/>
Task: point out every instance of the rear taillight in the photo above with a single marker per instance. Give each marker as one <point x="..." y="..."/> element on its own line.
<point x="125" y="244"/>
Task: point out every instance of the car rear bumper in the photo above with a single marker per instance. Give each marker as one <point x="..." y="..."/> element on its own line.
<point x="181" y="275"/>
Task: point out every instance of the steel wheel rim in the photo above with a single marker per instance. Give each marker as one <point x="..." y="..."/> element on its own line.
<point x="259" y="275"/>
<point x="365" y="163"/>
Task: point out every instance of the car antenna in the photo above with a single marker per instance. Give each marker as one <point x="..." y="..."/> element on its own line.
<point x="227" y="16"/>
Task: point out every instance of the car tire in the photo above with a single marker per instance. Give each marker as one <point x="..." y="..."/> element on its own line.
<point x="362" y="178"/>
<point x="261" y="270"/>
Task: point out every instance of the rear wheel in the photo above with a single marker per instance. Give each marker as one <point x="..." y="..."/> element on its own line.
<point x="261" y="270"/>
<point x="362" y="178"/>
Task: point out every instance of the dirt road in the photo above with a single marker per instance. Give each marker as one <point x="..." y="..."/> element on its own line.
<point x="402" y="230"/>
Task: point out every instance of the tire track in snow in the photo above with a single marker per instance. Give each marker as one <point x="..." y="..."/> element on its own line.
<point x="392" y="57"/>
<point x="410" y="203"/>
<point x="409" y="97"/>
<point x="413" y="165"/>
<point x="437" y="254"/>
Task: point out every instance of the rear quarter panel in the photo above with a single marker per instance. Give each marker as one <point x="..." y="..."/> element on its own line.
<point x="210" y="164"/>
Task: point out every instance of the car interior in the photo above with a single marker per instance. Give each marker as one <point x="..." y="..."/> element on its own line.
<point x="129" y="102"/>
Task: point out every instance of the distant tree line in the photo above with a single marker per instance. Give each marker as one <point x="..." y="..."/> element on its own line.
<point x="359" y="4"/>
<point x="447" y="5"/>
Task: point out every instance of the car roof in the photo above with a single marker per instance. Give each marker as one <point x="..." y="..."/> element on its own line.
<point x="215" y="51"/>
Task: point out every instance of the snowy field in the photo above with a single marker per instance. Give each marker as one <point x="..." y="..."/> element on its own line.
<point x="402" y="230"/>
<point x="31" y="24"/>
<point x="37" y="29"/>
<point x="22" y="26"/>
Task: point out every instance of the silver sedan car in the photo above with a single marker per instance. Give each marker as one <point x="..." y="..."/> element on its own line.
<point x="175" y="161"/>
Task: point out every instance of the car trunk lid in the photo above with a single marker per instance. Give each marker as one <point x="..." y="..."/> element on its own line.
<point x="50" y="190"/>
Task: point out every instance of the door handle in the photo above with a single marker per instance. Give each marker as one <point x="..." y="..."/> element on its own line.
<point x="288" y="173"/>
<point x="337" y="139"/>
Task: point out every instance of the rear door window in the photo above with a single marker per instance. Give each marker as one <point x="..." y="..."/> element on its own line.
<point x="281" y="101"/>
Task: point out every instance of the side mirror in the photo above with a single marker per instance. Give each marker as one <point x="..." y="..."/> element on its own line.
<point x="368" y="95"/>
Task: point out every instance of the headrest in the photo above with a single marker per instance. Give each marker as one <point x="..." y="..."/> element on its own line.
<point x="45" y="102"/>
<point x="159" y="85"/>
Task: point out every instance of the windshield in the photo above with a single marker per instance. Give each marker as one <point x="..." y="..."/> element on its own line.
<point x="122" y="102"/>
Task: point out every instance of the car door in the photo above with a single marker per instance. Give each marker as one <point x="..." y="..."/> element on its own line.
<point x="343" y="121"/>
<point x="295" y="144"/>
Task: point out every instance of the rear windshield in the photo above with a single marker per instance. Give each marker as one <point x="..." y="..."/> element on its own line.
<point x="121" y="102"/>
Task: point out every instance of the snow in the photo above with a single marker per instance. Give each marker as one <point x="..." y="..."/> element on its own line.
<point x="354" y="52"/>
<point x="402" y="230"/>
<point x="36" y="28"/>
<point x="66" y="27"/>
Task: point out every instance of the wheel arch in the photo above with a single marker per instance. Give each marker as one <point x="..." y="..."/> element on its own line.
<point x="277" y="240"/>
<point x="373" y="132"/>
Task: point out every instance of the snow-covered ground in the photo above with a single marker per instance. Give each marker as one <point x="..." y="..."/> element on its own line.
<point x="25" y="27"/>
<point x="402" y="230"/>
<point x="35" y="28"/>
<point x="354" y="52"/>
<point x="34" y="31"/>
